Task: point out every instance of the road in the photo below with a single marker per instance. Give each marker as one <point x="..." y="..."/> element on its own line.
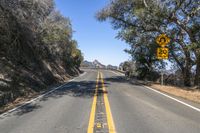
<point x="102" y="101"/>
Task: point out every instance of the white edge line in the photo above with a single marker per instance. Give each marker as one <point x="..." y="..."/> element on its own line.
<point x="117" y="73"/>
<point x="39" y="97"/>
<point x="181" y="102"/>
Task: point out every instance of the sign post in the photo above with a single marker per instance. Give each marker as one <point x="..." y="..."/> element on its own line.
<point x="162" y="76"/>
<point x="162" y="51"/>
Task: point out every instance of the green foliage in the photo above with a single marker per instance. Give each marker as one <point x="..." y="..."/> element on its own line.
<point x="129" y="68"/>
<point x="36" y="44"/>
<point x="140" y="21"/>
<point x="57" y="36"/>
<point x="35" y="25"/>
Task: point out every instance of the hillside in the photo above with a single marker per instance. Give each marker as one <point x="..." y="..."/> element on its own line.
<point x="36" y="48"/>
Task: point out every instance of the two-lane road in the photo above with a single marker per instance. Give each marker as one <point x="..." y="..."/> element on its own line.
<point x="102" y="101"/>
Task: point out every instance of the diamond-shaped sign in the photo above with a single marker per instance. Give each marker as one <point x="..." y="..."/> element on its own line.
<point x="162" y="40"/>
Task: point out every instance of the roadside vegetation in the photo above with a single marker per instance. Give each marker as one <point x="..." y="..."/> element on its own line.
<point x="183" y="92"/>
<point x="139" y="22"/>
<point x="37" y="48"/>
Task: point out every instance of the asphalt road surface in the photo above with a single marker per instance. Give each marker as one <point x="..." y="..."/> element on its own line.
<point x="102" y="101"/>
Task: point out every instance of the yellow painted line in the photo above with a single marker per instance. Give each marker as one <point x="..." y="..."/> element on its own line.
<point x="93" y="110"/>
<point x="98" y="125"/>
<point x="111" y="125"/>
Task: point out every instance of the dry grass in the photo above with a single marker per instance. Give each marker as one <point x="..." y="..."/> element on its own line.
<point x="186" y="93"/>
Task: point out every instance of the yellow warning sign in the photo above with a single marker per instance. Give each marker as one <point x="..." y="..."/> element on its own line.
<point x="162" y="53"/>
<point x="162" y="40"/>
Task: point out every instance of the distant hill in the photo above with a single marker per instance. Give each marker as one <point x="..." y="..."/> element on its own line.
<point x="87" y="64"/>
<point x="112" y="67"/>
<point x="94" y="64"/>
<point x="98" y="64"/>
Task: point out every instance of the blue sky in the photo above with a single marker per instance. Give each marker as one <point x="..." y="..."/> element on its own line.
<point x="95" y="39"/>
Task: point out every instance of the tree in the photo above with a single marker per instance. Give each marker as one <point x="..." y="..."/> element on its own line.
<point x="139" y="19"/>
<point x="129" y="68"/>
<point x="36" y="44"/>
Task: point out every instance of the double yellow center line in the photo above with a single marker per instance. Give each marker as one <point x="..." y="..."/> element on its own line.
<point x="111" y="126"/>
<point x="93" y="110"/>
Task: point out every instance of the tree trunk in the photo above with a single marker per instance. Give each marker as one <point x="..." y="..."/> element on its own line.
<point x="187" y="78"/>
<point x="197" y="76"/>
<point x="185" y="69"/>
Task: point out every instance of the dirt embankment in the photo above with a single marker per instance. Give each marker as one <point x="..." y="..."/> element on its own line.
<point x="189" y="93"/>
<point x="37" y="49"/>
<point x="21" y="83"/>
<point x="186" y="93"/>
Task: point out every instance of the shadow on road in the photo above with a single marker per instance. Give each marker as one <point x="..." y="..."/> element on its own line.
<point x="79" y="89"/>
<point x="28" y="108"/>
<point x="82" y="89"/>
<point x="122" y="79"/>
<point x="118" y="79"/>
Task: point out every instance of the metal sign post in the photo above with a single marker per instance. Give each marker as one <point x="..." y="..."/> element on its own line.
<point x="162" y="77"/>
<point x="162" y="51"/>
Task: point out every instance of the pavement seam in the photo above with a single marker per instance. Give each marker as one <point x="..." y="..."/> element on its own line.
<point x="93" y="109"/>
<point x="111" y="125"/>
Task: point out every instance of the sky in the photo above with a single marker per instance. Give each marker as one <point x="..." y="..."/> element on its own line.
<point x="95" y="39"/>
